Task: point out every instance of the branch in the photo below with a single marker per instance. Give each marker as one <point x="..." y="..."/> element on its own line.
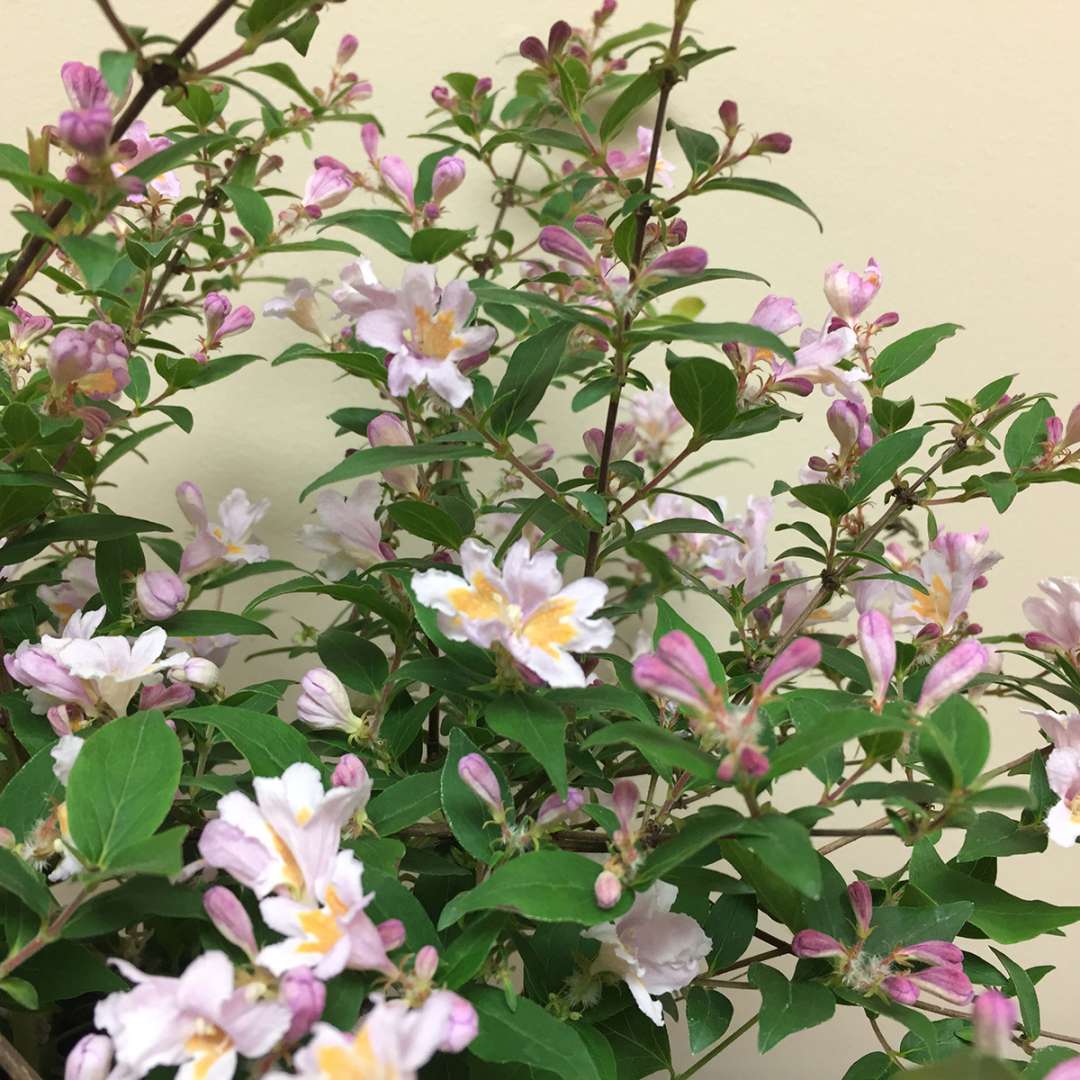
<point x="718" y="1048"/>
<point x="160" y="74"/>
<point x="14" y="1064"/>
<point x="122" y="31"/>
<point x="46" y="936"/>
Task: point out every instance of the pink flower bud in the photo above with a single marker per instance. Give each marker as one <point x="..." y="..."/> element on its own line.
<point x="197" y="671"/>
<point x="160" y="594"/>
<point x="558" y="36"/>
<point x="441" y="96"/>
<point x="930" y="632"/>
<point x="801" y="655"/>
<point x="537" y="455"/>
<point x="59" y="717"/>
<point x="729" y="118"/>
<point x="845" y="423"/>
<point x="387" y="430"/>
<point x="623" y="440"/>
<point x="346" y="49"/>
<point x="1040" y="642"/>
<point x="426" y="963"/>
<point x="165" y="696"/>
<point x="591" y="226"/>
<point x="447" y="177"/>
<point x="86" y="89"/>
<point x="1055" y="429"/>
<point x="676" y="232"/>
<point x="481" y="781"/>
<point x="391" y="934"/>
<point x="326" y="187"/>
<point x="947" y="981"/>
<point x="360" y="90"/>
<point x="890" y="318"/>
<point x="850" y="294"/>
<point x="554" y="810"/>
<point x="624" y="799"/>
<point x="369" y="137"/>
<point x="532" y="48"/>
<point x="994" y="1017"/>
<point x="232" y="921"/>
<point x="398" y="176"/>
<point x="462" y="1026"/>
<point x="776" y="142"/>
<point x="604" y="12"/>
<point x="752" y="761"/>
<point x="483" y="86"/>
<point x="878" y="647"/>
<point x="350" y="772"/>
<point x="813" y="944"/>
<point x="87" y="130"/>
<point x="305" y="996"/>
<point x="816" y="463"/>
<point x="952" y="673"/>
<point x="562" y="243"/>
<point x="679" y="262"/>
<point x="324" y="702"/>
<point x="862" y="904"/>
<point x="903" y="991"/>
<point x="607" y="890"/>
<point x="215" y="307"/>
<point x="91" y="1057"/>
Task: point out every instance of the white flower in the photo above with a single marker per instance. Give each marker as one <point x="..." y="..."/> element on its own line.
<point x="227" y="542"/>
<point x="347" y="533"/>
<point x="299" y="304"/>
<point x="653" y="950"/>
<point x="64" y="753"/>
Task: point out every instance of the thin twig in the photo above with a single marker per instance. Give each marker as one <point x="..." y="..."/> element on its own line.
<point x="122" y="31"/>
<point x="718" y="1048"/>
<point x="14" y="1064"/>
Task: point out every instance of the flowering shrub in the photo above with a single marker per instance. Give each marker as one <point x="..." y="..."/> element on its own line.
<point x="522" y="812"/>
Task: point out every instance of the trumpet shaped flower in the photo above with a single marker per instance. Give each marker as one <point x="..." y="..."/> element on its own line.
<point x="347" y="534"/>
<point x="228" y="542"/>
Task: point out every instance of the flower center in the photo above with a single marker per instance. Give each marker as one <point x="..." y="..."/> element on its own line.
<point x="207" y="1044"/>
<point x="434" y="337"/>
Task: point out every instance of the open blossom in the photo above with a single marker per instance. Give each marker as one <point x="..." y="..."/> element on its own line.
<point x="329" y="932"/>
<point x="1063" y="775"/>
<point x="201" y="1021"/>
<point x="227" y="542"/>
<point x="298" y="303"/>
<point x="284" y="840"/>
<point x="351" y="296"/>
<point x="1055" y="615"/>
<point x="849" y="293"/>
<point x="626" y="166"/>
<point x="425" y="329"/>
<point x="524" y="607"/>
<point x="137" y="145"/>
<point x="953" y="567"/>
<point x="652" y="949"/>
<point x="347" y="534"/>
<point x="817" y="363"/>
<point x="23" y="331"/>
<point x="744" y="560"/>
<point x="78" y="584"/>
<point x="85" y="87"/>
<point x="93" y="360"/>
<point x="685" y="547"/>
<point x="655" y="420"/>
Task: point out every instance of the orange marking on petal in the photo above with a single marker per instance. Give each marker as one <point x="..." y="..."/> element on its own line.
<point x="291" y="872"/>
<point x="480" y="602"/>
<point x="435" y="337"/>
<point x="101" y="382"/>
<point x="934" y="605"/>
<point x="322" y="926"/>
<point x="548" y="628"/>
<point x="207" y="1046"/>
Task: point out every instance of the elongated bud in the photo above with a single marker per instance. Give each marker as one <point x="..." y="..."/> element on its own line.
<point x="232" y="921"/>
<point x="930" y="632"/>
<point x="625" y="799"/>
<point x="729" y="117"/>
<point x="558" y="36"/>
<point x="1040" y="642"/>
<point x="607" y="890"/>
<point x="87" y="130"/>
<point x="160" y="594"/>
<point x="197" y="671"/>
<point x="903" y="991"/>
<point x="933" y="952"/>
<point x="346" y="49"/>
<point x="776" y="142"/>
<point x="801" y="655"/>
<point x="351" y="772"/>
<point x="845" y="423"/>
<point x="1055" y="429"/>
<point x="862" y="904"/>
<point x="537" y="455"/>
<point x="305" y="996"/>
<point x="447" y="178"/>
<point x="532" y="48"/>
<point x="994" y="1016"/>
<point x="426" y="963"/>
<point x="324" y="702"/>
<point x="483" y="86"/>
<point x="387" y="430"/>
<point x="813" y="944"/>
<point x="90" y="1059"/>
<point x="398" y="176"/>
<point x="369" y="137"/>
<point x="591" y="225"/>
<point x="562" y="243"/>
<point x="441" y="96"/>
<point x="679" y="262"/>
<point x="952" y="673"/>
<point x="947" y="981"/>
<point x="481" y="781"/>
<point x="391" y="933"/>
<point x="878" y="647"/>
<point x="554" y="810"/>
<point x="889" y="318"/>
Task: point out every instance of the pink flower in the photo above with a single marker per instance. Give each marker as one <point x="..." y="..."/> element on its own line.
<point x="556" y="811"/>
<point x="164" y="696"/>
<point x="816" y="362"/>
<point x="678" y="671"/>
<point x="679" y="262"/>
<point x="346" y="49"/>
<point x="160" y="594"/>
<point x="387" y="430"/>
<point x="952" y="673"/>
<point x="777" y="314"/>
<point x="139" y="146"/>
<point x="324" y="703"/>
<point x="305" y="996"/>
<point x="78" y="584"/>
<point x="994" y="1017"/>
<point x="448" y="176"/>
<point x="523" y="606"/>
<point x="425" y="328"/>
<point x="93" y="360"/>
<point x="167" y="1021"/>
<point x="26" y="328"/>
<point x="299" y="304"/>
<point x="90" y="1059"/>
<point x="87" y="130"/>
<point x="85" y="87"/>
<point x="222" y="321"/>
<point x="655" y="420"/>
<point x="351" y="772"/>
<point x="652" y="949"/>
<point x="607" y="890"/>
<point x="563" y="244"/>
<point x="478" y="777"/>
<point x="231" y="920"/>
<point x="369" y="137"/>
<point x="398" y="176"/>
<point x="227" y="542"/>
<point x="878" y="648"/>
<point x="1055" y="615"/>
<point x="626" y="166"/>
<point x="849" y="293"/>
<point x="731" y="561"/>
<point x="347" y="534"/>
<point x="327" y="186"/>
<point x="624" y="438"/>
<point x="801" y="655"/>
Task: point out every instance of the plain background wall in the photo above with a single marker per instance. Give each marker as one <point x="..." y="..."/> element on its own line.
<point x="938" y="137"/>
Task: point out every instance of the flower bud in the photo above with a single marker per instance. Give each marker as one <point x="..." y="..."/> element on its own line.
<point x="558" y="36"/>
<point x="360" y="90"/>
<point x="903" y="991"/>
<point x="346" y="49"/>
<point x="483" y="86"/>
<point x="845" y="423"/>
<point x="305" y="996"/>
<point x="952" y="673"/>
<point x="878" y="647"/>
<point x="679" y="262"/>
<point x="801" y="655"/>
<point x="426" y="963"/>
<point x="676" y="231"/>
<point x="994" y="1017"/>
<point x="160" y="594"/>
<point x="607" y="890"/>
<point x="862" y="905"/>
<point x="947" y="981"/>
<point x="532" y="48"/>
<point x="441" y="96"/>
<point x="391" y="934"/>
<point x="930" y="632"/>
<point x="324" y="702"/>
<point x="231" y="919"/>
<point x="90" y="1059"/>
<point x="775" y="142"/>
<point x="933" y="952"/>
<point x="199" y="672"/>
<point x="537" y="455"/>
<point x="87" y="130"/>
<point x="462" y="1026"/>
<point x="1038" y="641"/>
<point x="591" y="226"/>
<point x="447" y="177"/>
<point x="816" y="463"/>
<point x="890" y="318"/>
<point x="753" y="761"/>
<point x="350" y="772"/>
<point x="849" y="294"/>
<point x="813" y="944"/>
<point x="563" y="244"/>
<point x="165" y="696"/>
<point x="398" y="176"/>
<point x="481" y="781"/>
<point x="604" y="12"/>
<point x="387" y="430"/>
<point x="729" y="117"/>
<point x="555" y="810"/>
<point x="369" y="137"/>
<point x="215" y="307"/>
<point x="1055" y="429"/>
<point x="623" y="440"/>
<point x="624" y="799"/>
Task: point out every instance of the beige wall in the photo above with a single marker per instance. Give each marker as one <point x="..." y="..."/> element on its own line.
<point x="938" y="137"/>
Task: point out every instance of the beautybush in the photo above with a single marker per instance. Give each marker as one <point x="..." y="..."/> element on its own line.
<point x="522" y="811"/>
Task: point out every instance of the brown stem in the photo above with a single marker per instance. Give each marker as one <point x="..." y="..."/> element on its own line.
<point x="644" y="491"/>
<point x="45" y="936"/>
<point x="160" y="74"/>
<point x="122" y="31"/>
<point x="1043" y="1033"/>
<point x="506" y="200"/>
<point x="718" y="1048"/>
<point x="14" y="1064"/>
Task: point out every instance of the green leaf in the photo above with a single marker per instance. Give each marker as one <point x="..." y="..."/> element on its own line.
<point x="994" y="835"/>
<point x="527" y="1035"/>
<point x="253" y="211"/>
<point x="715" y="334"/>
<point x="896" y="925"/>
<point x="1026" y="997"/>
<point x="195" y="623"/>
<point x="376" y="458"/>
<point x="116" y="68"/>
<point x="548" y="886"/>
<point x="642" y="1048"/>
<point x="529" y="372"/>
<point x="30" y="793"/>
<point x="21" y="992"/>
<point x="122" y="785"/>
<point x="872" y="1066"/>
<point x="970" y="1066"/>
<point x="161" y="854"/>
<point x="17" y="878"/>
<point x="269" y="744"/>
<point x="466" y="815"/>
<point x="468" y="952"/>
<point x="409" y="800"/>
<point x="24" y="180"/>
<point x="427" y="521"/>
<point x="76" y="527"/>
<point x="704" y="392"/>
<point x="823" y="498"/>
<point x="65" y="970"/>
<point x="658" y="745"/>
<point x="954" y="742"/>
<point x="629" y="100"/>
<point x="696" y="833"/>
<point x="538" y="726"/>
<point x="95" y="256"/>
<point x="1024" y="439"/>
<point x="902" y="357"/>
<point x="1002" y="917"/>
<point x="174" y="155"/>
<point x="700" y="148"/>
<point x="767" y="188"/>
<point x="285" y="75"/>
<point x="382" y="226"/>
<point x="883" y="459"/>
<point x="433" y="245"/>
<point x="708" y="1014"/>
<point x="787" y="1007"/>
<point x="360" y="664"/>
<point x="730" y="927"/>
<point x="782" y="843"/>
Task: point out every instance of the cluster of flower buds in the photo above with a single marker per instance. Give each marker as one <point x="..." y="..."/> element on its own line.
<point x="532" y="48"/>
<point x="1060" y="436"/>
<point x="472" y="100"/>
<point x="222" y="321"/>
<point x="623" y="862"/>
<point x="894" y="975"/>
<point x="397" y="177"/>
<point x="345" y="88"/>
